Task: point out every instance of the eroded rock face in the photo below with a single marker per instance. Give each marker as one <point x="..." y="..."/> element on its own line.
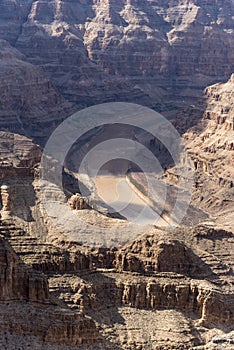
<point x="26" y="303"/>
<point x="152" y="254"/>
<point x="176" y="286"/>
<point x="86" y="281"/>
<point x="49" y="328"/>
<point x="210" y="145"/>
<point x="19" y="156"/>
<point x="151" y="293"/>
<point x="29" y="103"/>
<point x="17" y="151"/>
<point x="17" y="281"/>
<point x="148" y="52"/>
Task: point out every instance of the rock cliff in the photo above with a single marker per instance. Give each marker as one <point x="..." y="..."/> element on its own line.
<point x="210" y="145"/>
<point x="17" y="281"/>
<point x="136" y="283"/>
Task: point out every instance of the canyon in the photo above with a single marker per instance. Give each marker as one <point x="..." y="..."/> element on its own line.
<point x="88" y="297"/>
<point x="149" y="286"/>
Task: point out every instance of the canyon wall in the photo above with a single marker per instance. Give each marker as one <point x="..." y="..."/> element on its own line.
<point x="157" y="53"/>
<point x="208" y="131"/>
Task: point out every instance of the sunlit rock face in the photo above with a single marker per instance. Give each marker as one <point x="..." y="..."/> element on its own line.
<point x="210" y="145"/>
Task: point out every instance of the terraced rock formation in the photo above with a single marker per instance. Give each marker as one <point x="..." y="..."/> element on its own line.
<point x="28" y="312"/>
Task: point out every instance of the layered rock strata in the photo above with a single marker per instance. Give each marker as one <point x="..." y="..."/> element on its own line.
<point x="210" y="146"/>
<point x="157" y="53"/>
<point x="27" y="308"/>
<point x="195" y="284"/>
<point x="29" y="103"/>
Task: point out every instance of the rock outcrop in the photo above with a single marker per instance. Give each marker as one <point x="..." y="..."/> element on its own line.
<point x="77" y="202"/>
<point x="18" y="159"/>
<point x="150" y="254"/>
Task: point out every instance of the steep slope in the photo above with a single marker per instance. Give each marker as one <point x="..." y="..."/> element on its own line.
<point x="211" y="146"/>
<point x="160" y="53"/>
<point x="29" y="104"/>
